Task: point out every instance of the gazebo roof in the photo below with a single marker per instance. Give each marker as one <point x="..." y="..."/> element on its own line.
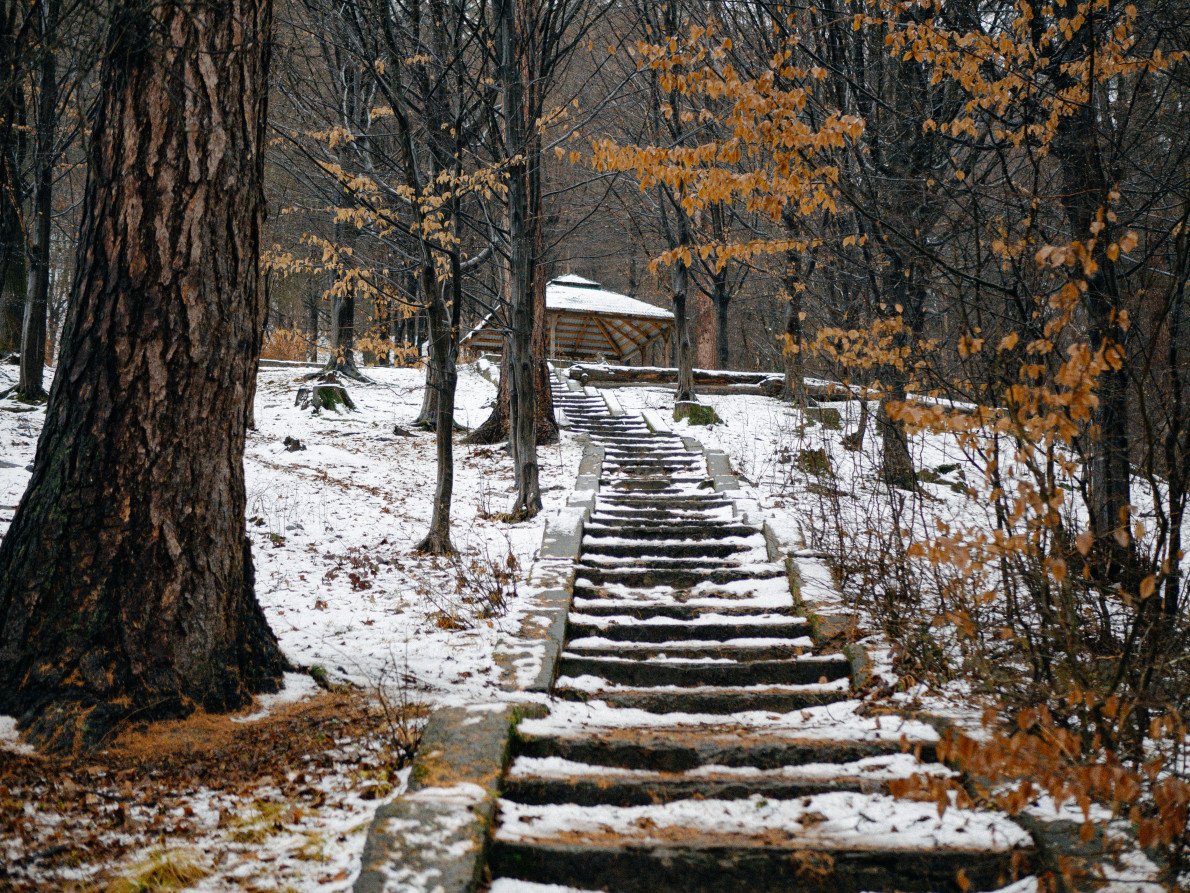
<point x="574" y="293"/>
<point x="586" y="321"/>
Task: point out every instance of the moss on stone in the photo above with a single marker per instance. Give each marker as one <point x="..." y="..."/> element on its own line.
<point x="695" y="413"/>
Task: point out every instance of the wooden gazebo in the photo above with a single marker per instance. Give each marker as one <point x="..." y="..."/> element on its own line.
<point x="586" y="322"/>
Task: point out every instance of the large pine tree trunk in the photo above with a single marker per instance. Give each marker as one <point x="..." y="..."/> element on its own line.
<point x="126" y="586"/>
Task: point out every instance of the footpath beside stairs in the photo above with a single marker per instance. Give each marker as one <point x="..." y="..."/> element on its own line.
<point x="701" y="740"/>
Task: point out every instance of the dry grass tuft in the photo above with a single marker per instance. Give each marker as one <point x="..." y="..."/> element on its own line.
<point x="163" y="869"/>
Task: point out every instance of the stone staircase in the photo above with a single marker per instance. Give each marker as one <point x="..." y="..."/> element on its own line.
<point x="700" y="741"/>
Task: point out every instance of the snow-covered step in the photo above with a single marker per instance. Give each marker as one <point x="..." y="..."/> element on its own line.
<point x="708" y="626"/>
<point x="722" y="671"/>
<point x="693" y="556"/>
<point x="661" y="450"/>
<point x="667" y="484"/>
<point x="675" y="530"/>
<point x="654" y="502"/>
<point x="646" y="607"/>
<point x="601" y="536"/>
<point x="722" y="699"/>
<point x="835" y="841"/>
<point x="634" y="514"/>
<point x="678" y="576"/>
<point x="544" y="780"/>
<point x="758" y="648"/>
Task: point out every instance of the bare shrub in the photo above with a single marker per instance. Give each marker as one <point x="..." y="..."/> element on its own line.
<point x="481" y="586"/>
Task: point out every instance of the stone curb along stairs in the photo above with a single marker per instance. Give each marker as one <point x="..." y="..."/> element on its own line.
<point x="701" y="736"/>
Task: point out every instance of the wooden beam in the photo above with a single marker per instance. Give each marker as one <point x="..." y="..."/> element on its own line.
<point x="610" y="338"/>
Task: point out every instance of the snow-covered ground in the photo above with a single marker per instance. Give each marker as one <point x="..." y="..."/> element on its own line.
<point x="333" y="528"/>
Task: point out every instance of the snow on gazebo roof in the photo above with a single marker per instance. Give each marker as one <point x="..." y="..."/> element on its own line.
<point x="578" y="295"/>
<point x="586" y="321"/>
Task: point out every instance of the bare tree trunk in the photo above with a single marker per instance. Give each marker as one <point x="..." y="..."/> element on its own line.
<point x="126" y="583"/>
<point x="30" y="385"/>
<point x="795" y="360"/>
<point x="1085" y="192"/>
<point x="495" y="427"/>
<point x="443" y="351"/>
<point x="312" y="311"/>
<point x="721" y="298"/>
<point x="1177" y="440"/>
<point x="680" y="278"/>
<point x="13" y="284"/>
<point x="523" y="219"/>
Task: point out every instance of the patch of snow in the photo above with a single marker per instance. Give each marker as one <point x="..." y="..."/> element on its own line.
<point x="10" y="738"/>
<point x="847" y="820"/>
<point x="295" y="687"/>
<point x="840" y="721"/>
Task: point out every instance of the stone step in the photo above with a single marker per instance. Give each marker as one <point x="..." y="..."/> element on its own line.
<point x="616" y="425"/>
<point x="811" y="845"/>
<point x="680" y="465"/>
<point x="672" y="562"/>
<point x="676" y="529"/>
<point x="580" y="626"/>
<point x="693" y="549"/>
<point x="626" y="480"/>
<point x="648" y="457"/>
<point x="733" y="744"/>
<point x="606" y="513"/>
<point x="610" y="423"/>
<point x="659" y="469"/>
<point x="625" y="438"/>
<point x="780" y="649"/>
<point x="658" y="504"/>
<point x="694" y="498"/>
<point x="657" y="448"/>
<point x="677" y="577"/>
<point x="723" y="672"/>
<point x="604" y="433"/>
<point x="543" y="780"/>
<point x="719" y="700"/>
<point x="587" y="605"/>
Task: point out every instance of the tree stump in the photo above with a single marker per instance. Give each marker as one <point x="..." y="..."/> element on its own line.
<point x="327" y="393"/>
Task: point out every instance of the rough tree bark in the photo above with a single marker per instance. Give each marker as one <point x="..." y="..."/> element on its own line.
<point x="896" y="462"/>
<point x="495" y="427"/>
<point x="1084" y="196"/>
<point x="13" y="285"/>
<point x="126" y="583"/>
<point x="793" y="280"/>
<point x="30" y="386"/>
<point x="524" y="242"/>
<point x="721" y="298"/>
<point x="443" y="359"/>
<point x="313" y="301"/>
<point x="680" y="281"/>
